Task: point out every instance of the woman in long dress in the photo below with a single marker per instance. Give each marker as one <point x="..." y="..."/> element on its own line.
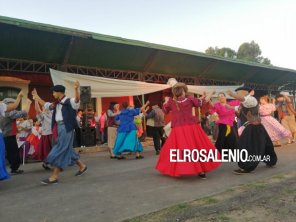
<point x="274" y="129"/>
<point x="227" y="136"/>
<point x="254" y="138"/>
<point x="127" y="139"/>
<point x="186" y="134"/>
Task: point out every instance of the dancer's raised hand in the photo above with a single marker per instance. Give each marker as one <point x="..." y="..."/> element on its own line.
<point x="229" y="92"/>
<point x="35" y="94"/>
<point x="21" y="94"/>
<point x="76" y="85"/>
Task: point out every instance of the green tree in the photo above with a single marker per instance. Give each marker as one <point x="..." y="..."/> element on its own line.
<point x="251" y="52"/>
<point x="223" y="52"/>
<point x="247" y="51"/>
<point x="265" y="61"/>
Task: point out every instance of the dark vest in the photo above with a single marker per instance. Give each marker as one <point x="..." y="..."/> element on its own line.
<point x="69" y="116"/>
<point x="159" y="117"/>
<point x="249" y="114"/>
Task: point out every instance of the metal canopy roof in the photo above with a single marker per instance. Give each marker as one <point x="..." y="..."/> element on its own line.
<point x="25" y="40"/>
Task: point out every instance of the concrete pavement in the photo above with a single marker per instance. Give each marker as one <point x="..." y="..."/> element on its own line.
<point x="114" y="190"/>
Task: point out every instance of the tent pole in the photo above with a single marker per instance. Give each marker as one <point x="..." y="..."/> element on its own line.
<point x="294" y="96"/>
<point x="144" y="120"/>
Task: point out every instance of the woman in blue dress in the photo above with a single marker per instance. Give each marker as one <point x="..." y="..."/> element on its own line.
<point x="127" y="140"/>
<point x="6" y="108"/>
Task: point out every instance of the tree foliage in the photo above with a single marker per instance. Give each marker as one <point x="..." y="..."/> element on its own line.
<point x="224" y="52"/>
<point x="247" y="51"/>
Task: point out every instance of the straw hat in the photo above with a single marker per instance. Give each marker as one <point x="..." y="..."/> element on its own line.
<point x="179" y="85"/>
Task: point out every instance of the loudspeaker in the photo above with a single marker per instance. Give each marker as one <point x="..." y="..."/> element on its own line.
<point x="88" y="136"/>
<point x="85" y="94"/>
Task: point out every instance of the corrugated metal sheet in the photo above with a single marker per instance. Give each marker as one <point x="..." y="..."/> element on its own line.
<point x="26" y="40"/>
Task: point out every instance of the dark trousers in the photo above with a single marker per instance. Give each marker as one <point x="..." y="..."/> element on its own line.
<point x="12" y="152"/>
<point x="77" y="137"/>
<point x="157" y="134"/>
<point x="226" y="142"/>
<point x="257" y="142"/>
<point x="105" y="136"/>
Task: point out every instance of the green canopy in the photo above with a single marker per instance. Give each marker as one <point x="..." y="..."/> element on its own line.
<point x="33" y="41"/>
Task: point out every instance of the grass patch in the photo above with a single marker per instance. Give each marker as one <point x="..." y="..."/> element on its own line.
<point x="178" y="207"/>
<point x="284" y="212"/>
<point x="135" y="220"/>
<point x="289" y="190"/>
<point x="230" y="190"/>
<point x="280" y="177"/>
<point x="223" y="218"/>
<point x="209" y="200"/>
<point x="256" y="185"/>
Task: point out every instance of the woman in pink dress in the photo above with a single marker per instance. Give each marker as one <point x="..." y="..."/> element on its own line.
<point x="274" y="129"/>
<point x="186" y="134"/>
<point x="227" y="136"/>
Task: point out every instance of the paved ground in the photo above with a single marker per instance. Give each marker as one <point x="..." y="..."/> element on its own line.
<point x="114" y="190"/>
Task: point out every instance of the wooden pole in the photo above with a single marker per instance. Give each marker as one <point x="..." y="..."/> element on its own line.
<point x="144" y="120"/>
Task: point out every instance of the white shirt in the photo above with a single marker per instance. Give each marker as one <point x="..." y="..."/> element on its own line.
<point x="45" y="118"/>
<point x="26" y="124"/>
<point x="249" y="102"/>
<point x="59" y="116"/>
<point x="3" y="108"/>
<point x="97" y="119"/>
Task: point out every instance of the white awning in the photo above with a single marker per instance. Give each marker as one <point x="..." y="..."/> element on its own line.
<point x="106" y="87"/>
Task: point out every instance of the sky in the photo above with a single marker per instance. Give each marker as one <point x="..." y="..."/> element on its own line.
<point x="189" y="24"/>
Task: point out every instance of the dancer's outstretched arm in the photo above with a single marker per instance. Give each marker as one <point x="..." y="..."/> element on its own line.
<point x="13" y="106"/>
<point x="37" y="107"/>
<point x="36" y="97"/>
<point x="234" y="95"/>
<point x="77" y="91"/>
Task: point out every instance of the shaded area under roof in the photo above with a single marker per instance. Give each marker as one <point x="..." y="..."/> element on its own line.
<point x="25" y="40"/>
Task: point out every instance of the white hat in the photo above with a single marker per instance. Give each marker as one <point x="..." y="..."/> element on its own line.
<point x="172" y="81"/>
<point x="8" y="100"/>
<point x="285" y="93"/>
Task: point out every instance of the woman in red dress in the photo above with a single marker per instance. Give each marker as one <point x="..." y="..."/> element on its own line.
<point x="185" y="134"/>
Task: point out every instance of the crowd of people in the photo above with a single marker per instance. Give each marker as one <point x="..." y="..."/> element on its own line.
<point x="242" y="122"/>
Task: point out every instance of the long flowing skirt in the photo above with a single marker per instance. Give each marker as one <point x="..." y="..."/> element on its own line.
<point x="3" y="173"/>
<point x="274" y="129"/>
<point x="257" y="142"/>
<point x="186" y="137"/>
<point x="127" y="142"/>
<point x="43" y="148"/>
<point x="62" y="153"/>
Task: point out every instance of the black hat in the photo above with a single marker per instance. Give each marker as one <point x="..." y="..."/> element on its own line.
<point x="58" y="88"/>
<point x="112" y="104"/>
<point x="245" y="88"/>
